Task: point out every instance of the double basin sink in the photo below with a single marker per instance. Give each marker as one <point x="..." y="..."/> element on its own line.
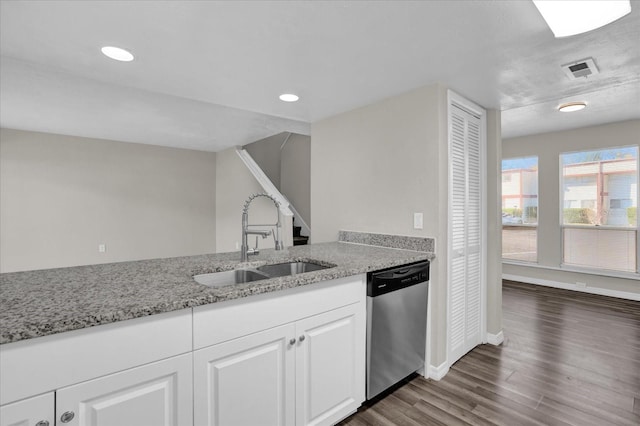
<point x="239" y="276"/>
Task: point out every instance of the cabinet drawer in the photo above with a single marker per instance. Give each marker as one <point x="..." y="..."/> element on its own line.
<point x="220" y="322"/>
<point x="43" y="364"/>
<point x="29" y="412"/>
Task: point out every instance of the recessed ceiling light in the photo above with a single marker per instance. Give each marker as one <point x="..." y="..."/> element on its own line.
<point x="572" y="106"/>
<point x="117" y="53"/>
<point x="289" y="97"/>
<point x="571" y="17"/>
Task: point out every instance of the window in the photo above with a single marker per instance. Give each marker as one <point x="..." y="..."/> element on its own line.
<point x="520" y="209"/>
<point x="599" y="192"/>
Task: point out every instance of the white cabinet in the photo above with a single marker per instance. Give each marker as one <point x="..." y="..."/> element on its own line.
<point x="157" y="394"/>
<point x="291" y="357"/>
<point x="310" y="372"/>
<point x="35" y="411"/>
<point x="246" y="381"/>
<point x="467" y="239"/>
<point x="330" y="366"/>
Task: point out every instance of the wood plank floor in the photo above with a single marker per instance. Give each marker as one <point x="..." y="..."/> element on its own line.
<point x="568" y="358"/>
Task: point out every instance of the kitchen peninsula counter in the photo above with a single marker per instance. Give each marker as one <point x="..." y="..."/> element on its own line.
<point x="44" y="302"/>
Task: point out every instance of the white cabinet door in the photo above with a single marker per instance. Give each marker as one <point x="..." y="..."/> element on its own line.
<point x="157" y="394"/>
<point x="29" y="412"/>
<point x="466" y="229"/>
<point x="330" y="370"/>
<point x="247" y="381"/>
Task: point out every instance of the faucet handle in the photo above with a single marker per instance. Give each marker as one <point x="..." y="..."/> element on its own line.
<point x="255" y="249"/>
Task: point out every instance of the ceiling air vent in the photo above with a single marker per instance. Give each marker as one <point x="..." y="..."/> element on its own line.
<point x="581" y="68"/>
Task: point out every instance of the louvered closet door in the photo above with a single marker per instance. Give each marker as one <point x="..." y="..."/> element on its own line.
<point x="465" y="233"/>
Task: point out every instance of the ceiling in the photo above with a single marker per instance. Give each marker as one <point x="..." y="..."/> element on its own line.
<point x="207" y="74"/>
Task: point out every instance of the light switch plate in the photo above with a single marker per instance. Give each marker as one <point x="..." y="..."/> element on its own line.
<point x="417" y="221"/>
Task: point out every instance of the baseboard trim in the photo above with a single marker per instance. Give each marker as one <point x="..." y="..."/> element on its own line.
<point x="495" y="339"/>
<point x="438" y="372"/>
<point x="567" y="286"/>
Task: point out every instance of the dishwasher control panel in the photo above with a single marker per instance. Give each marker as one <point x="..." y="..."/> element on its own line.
<point x="398" y="277"/>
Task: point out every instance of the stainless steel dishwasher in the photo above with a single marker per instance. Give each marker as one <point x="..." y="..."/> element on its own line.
<point x="396" y="324"/>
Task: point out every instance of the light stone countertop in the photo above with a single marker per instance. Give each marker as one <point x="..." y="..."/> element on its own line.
<point x="44" y="302"/>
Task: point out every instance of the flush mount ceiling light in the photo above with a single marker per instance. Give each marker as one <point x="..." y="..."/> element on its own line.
<point x="572" y="106"/>
<point x="117" y="53"/>
<point x="289" y="97"/>
<point x="571" y="17"/>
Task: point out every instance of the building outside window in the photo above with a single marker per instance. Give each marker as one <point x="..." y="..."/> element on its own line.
<point x="520" y="209"/>
<point x="599" y="191"/>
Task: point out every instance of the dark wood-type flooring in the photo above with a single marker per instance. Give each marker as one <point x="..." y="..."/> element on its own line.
<point x="568" y="358"/>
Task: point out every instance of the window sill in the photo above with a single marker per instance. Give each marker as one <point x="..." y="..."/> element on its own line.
<point x="599" y="227"/>
<point x="520" y="263"/>
<point x="576" y="269"/>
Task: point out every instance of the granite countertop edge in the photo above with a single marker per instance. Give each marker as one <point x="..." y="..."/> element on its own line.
<point x="46" y="302"/>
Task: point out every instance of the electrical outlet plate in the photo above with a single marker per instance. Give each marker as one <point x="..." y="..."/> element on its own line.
<point x="102" y="248"/>
<point x="417" y="221"/>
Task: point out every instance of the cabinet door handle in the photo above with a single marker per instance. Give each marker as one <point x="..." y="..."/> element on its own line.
<point x="43" y="423"/>
<point x="292" y="341"/>
<point x="301" y="338"/>
<point x="67" y="416"/>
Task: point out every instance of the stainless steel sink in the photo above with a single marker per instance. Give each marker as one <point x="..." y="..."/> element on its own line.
<point x="236" y="276"/>
<point x="289" y="268"/>
<point x="239" y="276"/>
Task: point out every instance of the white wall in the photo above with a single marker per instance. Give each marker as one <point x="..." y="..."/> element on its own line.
<point x="494" y="222"/>
<point x="373" y="167"/>
<point x="548" y="148"/>
<point x="61" y="196"/>
<point x="295" y="174"/>
<point x="266" y="152"/>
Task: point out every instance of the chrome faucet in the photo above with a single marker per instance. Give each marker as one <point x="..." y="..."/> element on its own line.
<point x="245" y="251"/>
